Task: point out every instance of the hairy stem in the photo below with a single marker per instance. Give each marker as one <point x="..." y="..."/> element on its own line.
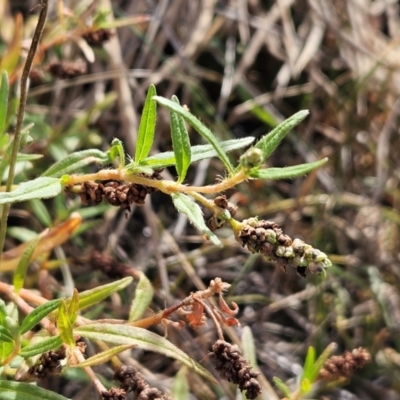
<point x="162" y="185"/>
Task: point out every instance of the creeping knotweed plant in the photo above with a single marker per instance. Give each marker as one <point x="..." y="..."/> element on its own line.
<point x="40" y="337"/>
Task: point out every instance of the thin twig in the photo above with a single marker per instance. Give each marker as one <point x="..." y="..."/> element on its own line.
<point x="20" y="115"/>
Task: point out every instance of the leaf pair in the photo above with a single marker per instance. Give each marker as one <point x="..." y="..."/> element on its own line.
<point x="179" y="134"/>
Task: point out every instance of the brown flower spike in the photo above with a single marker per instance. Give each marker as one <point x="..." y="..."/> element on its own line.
<point x="131" y="380"/>
<point x="267" y="238"/>
<point x="235" y="368"/>
<point x="344" y="366"/>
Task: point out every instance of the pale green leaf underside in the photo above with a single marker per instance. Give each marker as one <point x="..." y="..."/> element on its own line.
<point x="287" y="172"/>
<point x="270" y="142"/>
<point x="51" y="343"/>
<point x="39" y="188"/>
<point x="180" y="143"/>
<point x="103" y="357"/>
<point x="95" y="295"/>
<point x="76" y="161"/>
<point x="199" y="152"/>
<point x="118" y="334"/>
<point x="143" y="295"/>
<point x="10" y="390"/>
<point x="38" y="314"/>
<point x="192" y="210"/>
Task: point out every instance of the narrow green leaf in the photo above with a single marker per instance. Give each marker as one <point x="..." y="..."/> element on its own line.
<point x="11" y="390"/>
<point x="199" y="152"/>
<point x="180" y="387"/>
<point x="38" y="314"/>
<point x="73" y="307"/>
<point x="309" y="363"/>
<point x="270" y="142"/>
<point x="199" y="127"/>
<point x="40" y="347"/>
<point x="143" y="295"/>
<point x="287" y="172"/>
<point x="28" y="157"/>
<point x="104" y="356"/>
<point x="3" y="312"/>
<point x="180" y="143"/>
<point x="120" y="334"/>
<point x="22" y="267"/>
<point x="192" y="210"/>
<point x="321" y="361"/>
<point x="4" y="89"/>
<point x="76" y="161"/>
<point x="5" y="335"/>
<point x="283" y="387"/>
<point x="248" y="345"/>
<point x="117" y="150"/>
<point x="95" y="295"/>
<point x="147" y="126"/>
<point x="41" y="212"/>
<point x="39" y="188"/>
<point x="64" y="325"/>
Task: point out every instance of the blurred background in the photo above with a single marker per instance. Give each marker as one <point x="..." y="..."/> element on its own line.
<point x="241" y="66"/>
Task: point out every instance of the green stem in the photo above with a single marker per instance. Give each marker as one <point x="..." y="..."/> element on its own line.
<point x="20" y="115"/>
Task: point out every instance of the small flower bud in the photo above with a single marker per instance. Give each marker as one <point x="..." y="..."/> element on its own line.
<point x="252" y="158"/>
<point x="271" y="236"/>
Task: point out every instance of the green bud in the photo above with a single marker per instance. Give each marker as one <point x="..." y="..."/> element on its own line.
<point x="253" y="222"/>
<point x="270" y="236"/>
<point x="303" y="262"/>
<point x="280" y="251"/>
<point x="252" y="158"/>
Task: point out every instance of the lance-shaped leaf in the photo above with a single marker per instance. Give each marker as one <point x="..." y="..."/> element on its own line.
<point x="285" y="389"/>
<point x="4" y="88"/>
<point x="73" y="307"/>
<point x="199" y="127"/>
<point x="147" y="126"/>
<point x="96" y="295"/>
<point x="119" y="334"/>
<point x="64" y="325"/>
<point x="180" y="143"/>
<point x="306" y="382"/>
<point x="38" y="314"/>
<point x="39" y="188"/>
<point x="5" y="335"/>
<point x="76" y="161"/>
<point x="20" y="272"/>
<point x="311" y="373"/>
<point x="11" y="390"/>
<point x="143" y="295"/>
<point x="41" y="346"/>
<point x="192" y="210"/>
<point x="199" y="152"/>
<point x="104" y="356"/>
<point x="270" y="142"/>
<point x="287" y="172"/>
<point x="180" y="387"/>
